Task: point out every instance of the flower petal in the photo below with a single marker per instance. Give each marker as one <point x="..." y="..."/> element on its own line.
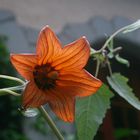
<point x="48" y="46"/>
<point x="33" y="97"/>
<point x="24" y="64"/>
<point x="75" y="55"/>
<point x="64" y="107"/>
<point x="78" y="83"/>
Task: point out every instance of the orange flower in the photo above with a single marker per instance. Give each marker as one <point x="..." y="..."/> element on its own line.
<point x="55" y="74"/>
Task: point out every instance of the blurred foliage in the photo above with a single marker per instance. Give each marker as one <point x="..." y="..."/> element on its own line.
<point x="11" y="121"/>
<point x="122" y="133"/>
<point x="38" y="125"/>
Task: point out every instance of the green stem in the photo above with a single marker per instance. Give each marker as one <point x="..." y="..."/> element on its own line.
<point x="50" y="122"/>
<point x="97" y="68"/>
<point x="110" y="38"/>
<point x="12" y="78"/>
<point x="9" y="92"/>
<point x="109" y="68"/>
<point x="15" y="88"/>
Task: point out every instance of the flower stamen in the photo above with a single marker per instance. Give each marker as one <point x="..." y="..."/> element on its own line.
<point x="45" y="76"/>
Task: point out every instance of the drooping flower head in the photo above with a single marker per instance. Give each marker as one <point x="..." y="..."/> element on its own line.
<point x="56" y="74"/>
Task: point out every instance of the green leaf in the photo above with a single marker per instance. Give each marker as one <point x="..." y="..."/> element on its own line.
<point x="119" y="84"/>
<point x="90" y="112"/>
<point x="122" y="60"/>
<point x="122" y="133"/>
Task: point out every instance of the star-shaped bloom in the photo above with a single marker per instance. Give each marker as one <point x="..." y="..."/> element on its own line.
<point x="56" y="74"/>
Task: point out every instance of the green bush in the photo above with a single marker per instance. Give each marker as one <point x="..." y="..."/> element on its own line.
<point x="10" y="118"/>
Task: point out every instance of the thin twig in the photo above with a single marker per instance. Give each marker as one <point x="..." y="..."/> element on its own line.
<point x="109" y="68"/>
<point x="50" y="122"/>
<point x="15" y="88"/>
<point x="97" y="67"/>
<point x="110" y="38"/>
<point x="12" y="78"/>
<point x="9" y="92"/>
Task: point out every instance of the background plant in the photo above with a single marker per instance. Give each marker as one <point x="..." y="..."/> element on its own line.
<point x="91" y="110"/>
<point x="11" y="119"/>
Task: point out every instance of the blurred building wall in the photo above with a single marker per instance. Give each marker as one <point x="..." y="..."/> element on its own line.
<point x="56" y="13"/>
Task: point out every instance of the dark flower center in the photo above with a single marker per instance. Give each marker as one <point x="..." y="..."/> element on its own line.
<point x="45" y="76"/>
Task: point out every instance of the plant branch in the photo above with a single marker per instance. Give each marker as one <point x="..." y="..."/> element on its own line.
<point x="109" y="68"/>
<point x="109" y="39"/>
<point x="15" y="88"/>
<point x="97" y="67"/>
<point x="12" y="78"/>
<point x="50" y="122"/>
<point x="8" y="92"/>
